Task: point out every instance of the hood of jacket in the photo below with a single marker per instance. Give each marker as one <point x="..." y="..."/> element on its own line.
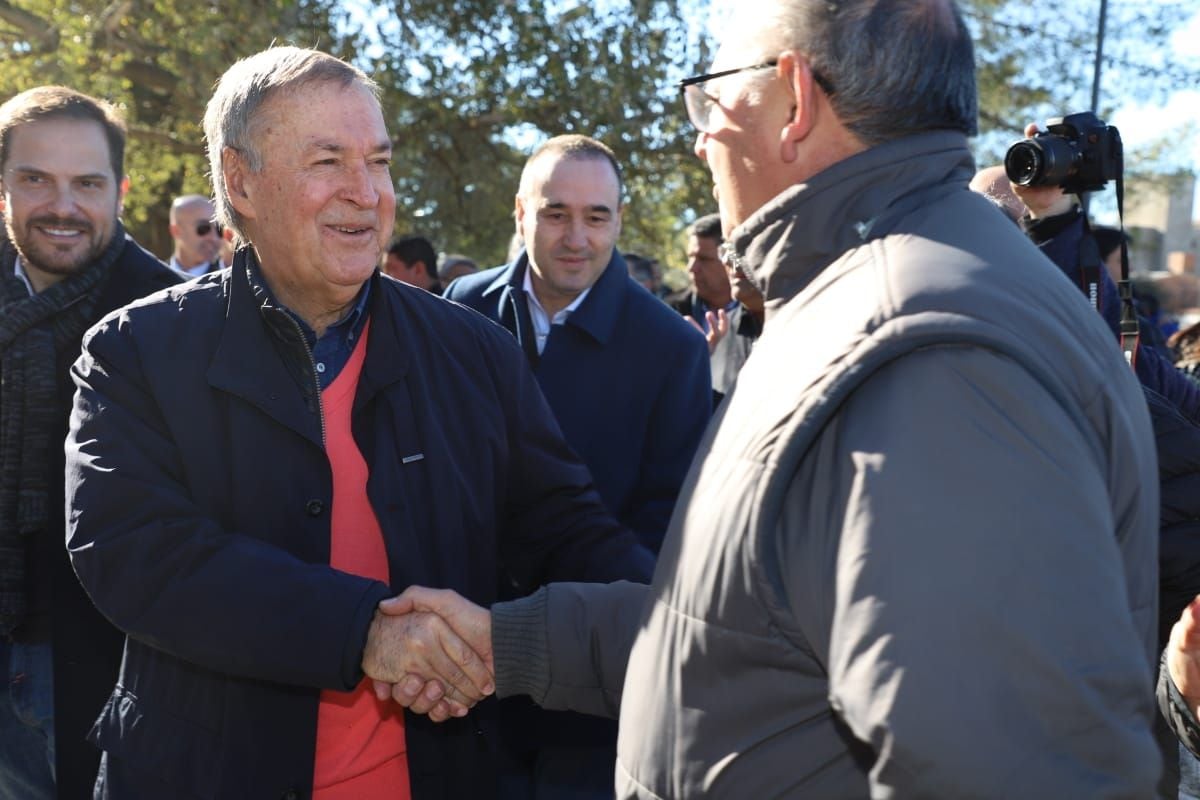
<point x="791" y="239"/>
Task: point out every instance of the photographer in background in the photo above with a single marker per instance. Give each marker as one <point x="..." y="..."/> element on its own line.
<point x="1055" y="222"/>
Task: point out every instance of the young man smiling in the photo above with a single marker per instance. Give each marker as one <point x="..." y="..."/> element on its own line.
<point x="626" y="377"/>
<point x="66" y="262"/>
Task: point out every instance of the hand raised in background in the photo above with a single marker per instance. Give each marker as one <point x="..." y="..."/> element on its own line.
<point x="422" y="689"/>
<point x="718" y="327"/>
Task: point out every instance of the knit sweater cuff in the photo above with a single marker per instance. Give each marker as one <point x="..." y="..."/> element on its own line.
<point x="520" y="646"/>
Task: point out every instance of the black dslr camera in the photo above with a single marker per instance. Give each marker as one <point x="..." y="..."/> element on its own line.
<point x="1077" y="152"/>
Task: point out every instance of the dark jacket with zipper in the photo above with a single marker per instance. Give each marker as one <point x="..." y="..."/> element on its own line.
<point x="198" y="490"/>
<point x="627" y="381"/>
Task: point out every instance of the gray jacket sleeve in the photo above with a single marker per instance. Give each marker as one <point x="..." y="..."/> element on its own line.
<point x="982" y="616"/>
<point x="567" y="645"/>
<point x="1176" y="712"/>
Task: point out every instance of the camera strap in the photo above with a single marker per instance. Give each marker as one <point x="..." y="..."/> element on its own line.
<point x="1129" y="321"/>
<point x="1090" y="266"/>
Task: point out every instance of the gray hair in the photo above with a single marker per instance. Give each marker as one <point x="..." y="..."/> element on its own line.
<point x="229" y="120"/>
<point x="896" y="67"/>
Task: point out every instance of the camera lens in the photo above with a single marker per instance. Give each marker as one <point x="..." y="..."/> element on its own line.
<point x="1023" y="163"/>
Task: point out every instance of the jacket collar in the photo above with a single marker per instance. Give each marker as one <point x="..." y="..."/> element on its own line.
<point x="598" y="313"/>
<point x="256" y="338"/>
<point x="790" y="240"/>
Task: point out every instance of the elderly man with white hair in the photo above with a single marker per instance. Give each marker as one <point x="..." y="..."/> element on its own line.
<point x="254" y="464"/>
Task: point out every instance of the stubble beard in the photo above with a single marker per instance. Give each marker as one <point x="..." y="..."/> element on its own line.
<point x="52" y="260"/>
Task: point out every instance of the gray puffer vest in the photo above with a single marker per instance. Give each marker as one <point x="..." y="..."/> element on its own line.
<point x="727" y="692"/>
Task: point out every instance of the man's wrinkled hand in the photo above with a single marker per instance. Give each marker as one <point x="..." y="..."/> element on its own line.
<point x="421" y="644"/>
<point x="424" y="693"/>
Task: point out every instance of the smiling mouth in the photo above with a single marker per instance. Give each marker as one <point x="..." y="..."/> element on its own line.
<point x="353" y="230"/>
<point x="60" y="228"/>
<point x="63" y="228"/>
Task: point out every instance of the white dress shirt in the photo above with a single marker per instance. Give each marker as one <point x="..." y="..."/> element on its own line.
<point x="538" y="316"/>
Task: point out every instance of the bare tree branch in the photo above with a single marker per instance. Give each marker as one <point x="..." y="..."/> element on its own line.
<point x="169" y="140"/>
<point x="41" y="35"/>
<point x="151" y="76"/>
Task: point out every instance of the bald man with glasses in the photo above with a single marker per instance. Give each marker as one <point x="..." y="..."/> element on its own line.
<point x="197" y="236"/>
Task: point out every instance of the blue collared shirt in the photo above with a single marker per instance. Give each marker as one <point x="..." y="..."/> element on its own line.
<point x="332" y="351"/>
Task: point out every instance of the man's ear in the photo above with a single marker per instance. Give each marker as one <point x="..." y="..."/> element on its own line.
<point x="518" y="210"/>
<point x="122" y="190"/>
<point x="796" y="72"/>
<point x="174" y="229"/>
<point x="235" y="170"/>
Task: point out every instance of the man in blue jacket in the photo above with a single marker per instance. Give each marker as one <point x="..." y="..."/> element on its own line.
<point x="627" y="378"/>
<point x="252" y="468"/>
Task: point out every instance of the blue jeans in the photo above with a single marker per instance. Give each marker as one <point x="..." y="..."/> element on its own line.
<point x="26" y="721"/>
<point x="1189" y="775"/>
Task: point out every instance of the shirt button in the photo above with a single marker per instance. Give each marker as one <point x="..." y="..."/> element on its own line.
<point x="314" y="507"/>
<point x="290" y="794"/>
<point x="321" y="366"/>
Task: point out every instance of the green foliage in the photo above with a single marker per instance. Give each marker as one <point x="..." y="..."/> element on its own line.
<point x="471" y="86"/>
<point x="157" y="60"/>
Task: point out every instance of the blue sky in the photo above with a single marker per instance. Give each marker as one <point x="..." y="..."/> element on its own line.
<point x="1143" y="123"/>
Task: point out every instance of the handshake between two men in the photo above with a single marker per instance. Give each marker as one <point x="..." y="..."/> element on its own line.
<point x="430" y="650"/>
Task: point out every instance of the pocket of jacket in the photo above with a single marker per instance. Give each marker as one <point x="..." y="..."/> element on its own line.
<point x="160" y="743"/>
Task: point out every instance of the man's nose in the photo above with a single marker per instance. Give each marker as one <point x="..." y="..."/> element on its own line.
<point x="698" y="147"/>
<point x="576" y="234"/>
<point x="63" y="200"/>
<point x="359" y="188"/>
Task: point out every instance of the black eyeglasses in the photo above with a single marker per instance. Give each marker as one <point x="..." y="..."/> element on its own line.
<point x="699" y="103"/>
<point x="205" y="227"/>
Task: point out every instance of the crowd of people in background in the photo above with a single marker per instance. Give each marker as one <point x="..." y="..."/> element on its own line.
<point x="875" y="506"/>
